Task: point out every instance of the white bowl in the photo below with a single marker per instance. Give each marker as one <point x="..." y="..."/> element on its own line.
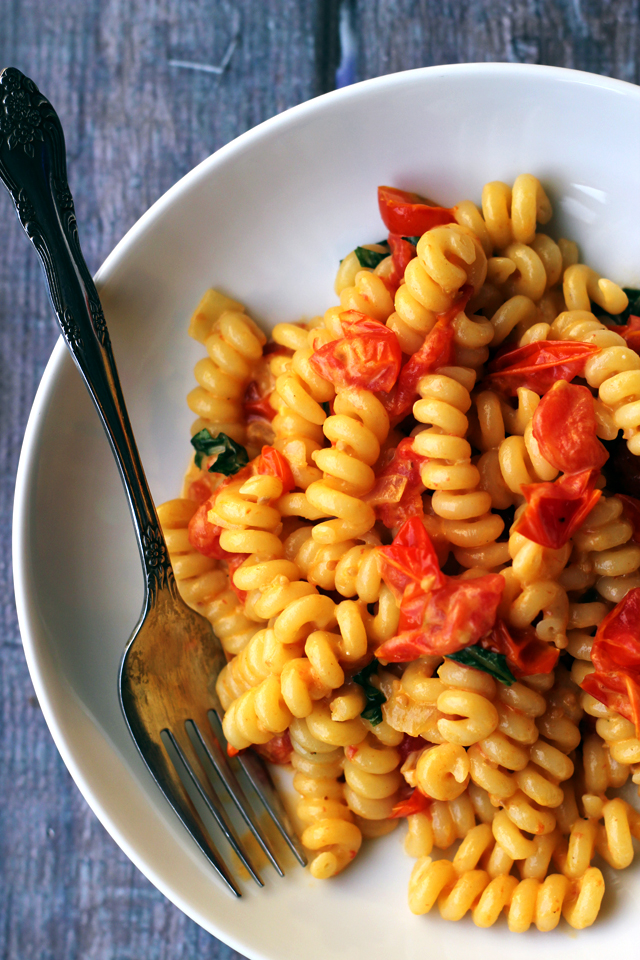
<point x="266" y="219"/>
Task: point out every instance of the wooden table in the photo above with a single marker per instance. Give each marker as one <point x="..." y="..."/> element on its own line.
<point x="135" y="123"/>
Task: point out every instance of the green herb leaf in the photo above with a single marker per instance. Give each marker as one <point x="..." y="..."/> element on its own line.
<point x="495" y="664"/>
<point x="370" y="258"/>
<point x="621" y="318"/>
<point x="231" y="455"/>
<point x="413" y="240"/>
<point x="375" y="698"/>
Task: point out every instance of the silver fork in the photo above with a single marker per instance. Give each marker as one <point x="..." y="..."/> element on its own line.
<point x="166" y="675"/>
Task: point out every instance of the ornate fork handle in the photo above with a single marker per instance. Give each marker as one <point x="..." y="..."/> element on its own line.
<point x="34" y="170"/>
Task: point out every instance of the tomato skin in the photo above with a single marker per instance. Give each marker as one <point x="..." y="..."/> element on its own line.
<point x="616" y="656"/>
<point x="445" y="620"/>
<point x="199" y="491"/>
<point x="438" y="614"/>
<point x="436" y="351"/>
<point x="410" y="745"/>
<point x="204" y="536"/>
<point x="255" y="406"/>
<point x="272" y="463"/>
<point x="415" y="803"/>
<point x="277" y="750"/>
<point x="526" y="654"/>
<point x="564" y="424"/>
<point x="410" y="559"/>
<point x="539" y="365"/>
<point x="556" y="510"/>
<point x="630" y="332"/>
<point x="402" y="252"/>
<point x="408" y="214"/>
<point x="401" y="474"/>
<point x="368" y="355"/>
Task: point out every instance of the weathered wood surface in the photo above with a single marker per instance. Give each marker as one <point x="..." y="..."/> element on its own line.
<point x="134" y="126"/>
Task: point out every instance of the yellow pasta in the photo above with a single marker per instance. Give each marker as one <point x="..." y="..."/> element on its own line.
<point x="393" y="496"/>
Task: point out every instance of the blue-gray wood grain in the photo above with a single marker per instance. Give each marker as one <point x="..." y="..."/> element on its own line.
<point x="134" y="125"/>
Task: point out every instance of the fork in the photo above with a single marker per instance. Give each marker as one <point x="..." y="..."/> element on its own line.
<point x="165" y="683"/>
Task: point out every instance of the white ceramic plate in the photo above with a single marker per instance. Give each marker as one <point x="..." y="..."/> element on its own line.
<point x="267" y="219"/>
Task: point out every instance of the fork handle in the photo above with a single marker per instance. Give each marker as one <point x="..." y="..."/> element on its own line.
<point x="33" y="168"/>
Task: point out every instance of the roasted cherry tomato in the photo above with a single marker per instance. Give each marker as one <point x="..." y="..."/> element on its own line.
<point x="368" y="355"/>
<point x="556" y="510"/>
<point x="199" y="490"/>
<point x="526" y="654"/>
<point x="539" y="365"/>
<point x="274" y="464"/>
<point x="415" y="803"/>
<point x="235" y="560"/>
<point x="410" y="559"/>
<point x="397" y="493"/>
<point x="616" y="656"/>
<point x="436" y="351"/>
<point x="402" y="252"/>
<point x="409" y="745"/>
<point x="276" y="750"/>
<point x="630" y="332"/>
<point x="438" y="614"/>
<point x="409" y="214"/>
<point x="204" y="536"/>
<point x="255" y="406"/>
<point x="564" y="424"/>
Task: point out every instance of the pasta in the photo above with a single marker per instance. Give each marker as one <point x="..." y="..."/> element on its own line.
<point x="424" y="574"/>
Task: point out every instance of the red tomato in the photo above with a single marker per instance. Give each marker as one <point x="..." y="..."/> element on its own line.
<point x="203" y="535"/>
<point x="438" y="614"/>
<point x="556" y="510"/>
<point x="539" y="365"/>
<point x="396" y="495"/>
<point x="402" y="252"/>
<point x="526" y="654"/>
<point x="272" y="463"/>
<point x="436" y="351"/>
<point x="410" y="559"/>
<point x="415" y="803"/>
<point x="619" y="691"/>
<point x="368" y="355"/>
<point x="630" y="332"/>
<point x="564" y="425"/>
<point x="616" y="656"/>
<point x="617" y="642"/>
<point x="235" y="560"/>
<point x="199" y="491"/>
<point x="632" y="513"/>
<point x="409" y="214"/>
<point x="276" y="750"/>
<point x="447" y="619"/>
<point x="255" y="406"/>
<point x="409" y="745"/>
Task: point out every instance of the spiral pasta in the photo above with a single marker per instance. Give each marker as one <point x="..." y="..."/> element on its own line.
<point x="234" y="345"/>
<point x="249" y="523"/>
<point x="297" y="399"/>
<point x="430" y="441"/>
<point x="464" y="509"/>
<point x="330" y="832"/>
<point x="357" y="428"/>
<point x="203" y="585"/>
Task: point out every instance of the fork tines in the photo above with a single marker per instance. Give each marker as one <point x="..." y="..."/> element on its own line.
<point x="227" y="779"/>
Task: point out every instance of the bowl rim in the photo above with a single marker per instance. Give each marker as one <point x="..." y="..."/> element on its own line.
<point x="24" y="581"/>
